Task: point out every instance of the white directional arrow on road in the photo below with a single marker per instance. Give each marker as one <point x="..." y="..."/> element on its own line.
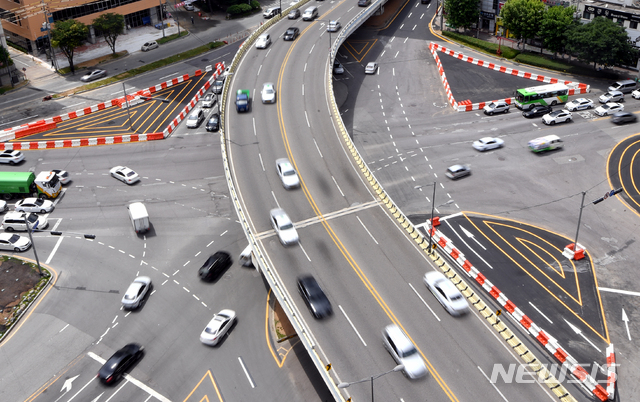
<point x="626" y="323"/>
<point x="66" y="387"/>
<point x="471" y="236"/>
<point x="579" y="332"/>
<point x="97" y="397"/>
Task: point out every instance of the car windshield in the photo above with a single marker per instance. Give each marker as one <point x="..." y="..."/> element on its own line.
<point x="32" y="218"/>
<point x="409" y="352"/>
<point x="39" y="201"/>
<point x="286" y="226"/>
<point x="268" y="90"/>
<point x="606" y="107"/>
<point x="288" y="173"/>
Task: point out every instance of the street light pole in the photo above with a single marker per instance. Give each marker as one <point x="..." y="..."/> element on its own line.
<point x="399" y="367"/>
<point x="161" y="17"/>
<point x="26" y="222"/>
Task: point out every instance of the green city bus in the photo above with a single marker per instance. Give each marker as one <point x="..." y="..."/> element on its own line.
<point x="545" y="95"/>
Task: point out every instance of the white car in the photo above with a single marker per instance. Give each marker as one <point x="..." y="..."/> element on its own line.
<point x="609" y="108"/>
<point x="149" y="46"/>
<point x="34" y="205"/>
<point x="62" y="175"/>
<point x="218" y="327"/>
<point x="457" y="171"/>
<point x="558" y="116"/>
<point x="487" y="143"/>
<point x="636" y="94"/>
<point x="14" y="242"/>
<point x="446" y="293"/>
<point x="11" y="156"/>
<point x="611" y="96"/>
<point x="371" y="68"/>
<point x="287" y="173"/>
<point x="403" y="351"/>
<point x="496" y="107"/>
<point x="284" y="227"/>
<point x="189" y="7"/>
<point x="124" y="174"/>
<point x="16" y="221"/>
<point x="136" y="292"/>
<point x="209" y="100"/>
<point x="93" y="75"/>
<point x="263" y="41"/>
<point x="334" y="26"/>
<point x="195" y="118"/>
<point x="268" y="93"/>
<point x="579" y="104"/>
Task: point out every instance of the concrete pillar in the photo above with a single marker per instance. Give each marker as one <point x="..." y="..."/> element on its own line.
<point x="92" y="35"/>
<point x="153" y="13"/>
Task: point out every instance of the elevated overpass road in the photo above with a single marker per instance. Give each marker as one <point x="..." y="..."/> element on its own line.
<point x="358" y="273"/>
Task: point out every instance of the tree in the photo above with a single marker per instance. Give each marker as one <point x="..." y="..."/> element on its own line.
<point x="602" y="41"/>
<point x="461" y="13"/>
<point x="5" y="58"/>
<point x="522" y="17"/>
<point x="112" y="26"/>
<point x="68" y="35"/>
<point x="557" y="20"/>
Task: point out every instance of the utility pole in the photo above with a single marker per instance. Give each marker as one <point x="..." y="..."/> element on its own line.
<point x="175" y="16"/>
<point x="47" y="27"/>
<point x="26" y="222"/>
<point x="161" y="17"/>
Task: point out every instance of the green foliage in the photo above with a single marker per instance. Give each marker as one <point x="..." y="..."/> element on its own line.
<point x="255" y="4"/>
<point x="461" y="13"/>
<point x="17" y="47"/>
<point x="111" y="25"/>
<point x="602" y="41"/>
<point x="172" y="37"/>
<point x="68" y="35"/>
<point x="487" y="47"/>
<point x="523" y="17"/>
<point x="234" y="9"/>
<point x="245" y="7"/>
<point x="5" y="58"/>
<point x="556" y="22"/>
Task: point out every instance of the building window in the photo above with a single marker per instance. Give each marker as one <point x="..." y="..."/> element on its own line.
<point x="586" y="15"/>
<point x="633" y="25"/>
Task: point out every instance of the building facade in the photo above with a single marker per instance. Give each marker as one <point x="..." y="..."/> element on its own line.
<point x="26" y="22"/>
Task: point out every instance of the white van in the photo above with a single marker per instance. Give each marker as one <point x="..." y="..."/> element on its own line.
<point x="310" y="13"/>
<point x="547" y="143"/>
<point x="139" y="217"/>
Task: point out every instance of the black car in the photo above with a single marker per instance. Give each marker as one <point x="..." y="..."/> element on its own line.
<point x="291" y="33"/>
<point x="214" y="122"/>
<point x="217" y="86"/>
<point x="537" y="111"/>
<point x="623" y="117"/>
<point x="364" y="3"/>
<point x="314" y="296"/>
<point x="215" y="265"/>
<point x="117" y="364"/>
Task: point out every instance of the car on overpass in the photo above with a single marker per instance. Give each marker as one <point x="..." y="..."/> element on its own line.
<point x="314" y="297"/>
<point x="283" y="226"/>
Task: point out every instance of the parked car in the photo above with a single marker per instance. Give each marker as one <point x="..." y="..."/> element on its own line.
<point x="195" y="118"/>
<point x="337" y="67"/>
<point x="93" y="75"/>
<point x="209" y="100"/>
<point x="334" y="26"/>
<point x="161" y="25"/>
<point x="283" y="226"/>
<point x="218" y="327"/>
<point x="121" y="361"/>
<point x="189" y="7"/>
<point x="608" y="109"/>
<point x="149" y="46"/>
<point x="537" y="111"/>
<point x="579" y="104"/>
<point x="446" y="293"/>
<point x="403" y="351"/>
<point x="215" y="265"/>
<point x="136" y="292"/>
<point x="214" y="123"/>
<point x="611" y="96"/>
<point x="291" y="33"/>
<point x="294" y="14"/>
<point x="268" y="93"/>
<point x="124" y="174"/>
<point x="457" y="171"/>
<point x="36" y="205"/>
<point x="487" y="143"/>
<point x="559" y="116"/>
<point x="623" y="117"/>
<point x="496" y="107"/>
<point x="11" y="156"/>
<point x="371" y="68"/>
<point x="263" y="41"/>
<point x="287" y="173"/>
<point x="16" y="221"/>
<point x="217" y="86"/>
<point x="14" y="242"/>
<point x="636" y="94"/>
<point x="62" y="175"/>
<point x="314" y="297"/>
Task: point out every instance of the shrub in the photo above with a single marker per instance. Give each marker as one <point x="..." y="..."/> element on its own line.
<point x="255" y="4"/>
<point x="234" y="9"/>
<point x="245" y="7"/>
<point x="488" y="47"/>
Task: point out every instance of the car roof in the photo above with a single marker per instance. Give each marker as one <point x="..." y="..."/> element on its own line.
<point x="399" y="338"/>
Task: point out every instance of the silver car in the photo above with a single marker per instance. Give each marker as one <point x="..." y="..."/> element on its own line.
<point x="284" y="227"/>
<point x="334" y="26"/>
<point x="458" y="171"/>
<point x="136" y="292"/>
<point x="403" y="351"/>
<point x="93" y="75"/>
<point x="209" y="100"/>
<point x="263" y="41"/>
<point x="371" y="68"/>
<point x="446" y="293"/>
<point x="149" y="46"/>
<point x="195" y="118"/>
<point x="218" y="327"/>
<point x="36" y="205"/>
<point x="287" y="173"/>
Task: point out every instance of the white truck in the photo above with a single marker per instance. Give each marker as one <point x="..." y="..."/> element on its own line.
<point x="139" y="217"/>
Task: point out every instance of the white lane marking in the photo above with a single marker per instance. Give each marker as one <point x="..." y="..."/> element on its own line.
<point x="352" y="326"/>
<point x="114" y="319"/>
<point x="223" y="233"/>
<point x="414" y="28"/>
<point x="305" y="67"/>
<point x="246" y="372"/>
<point x="267" y="55"/>
<point x="259" y="69"/>
<point x="118" y="390"/>
<point x="55" y="248"/>
<point x="318" y="148"/>
<point x="425" y="303"/>
<point x="406" y="39"/>
<point x="13" y="100"/>
<point x="314" y="45"/>
<point x="167" y="76"/>
<point x="494" y="385"/>
<point x="187" y="290"/>
<point x="63" y="328"/>
<point x="210" y="243"/>
<point x="76" y="104"/>
<point x="336" y="183"/>
<point x="307" y="117"/>
<point x="274" y="197"/>
<point x="85" y="386"/>
<point x="540" y="312"/>
<point x="392" y="39"/>
<point x="365" y="228"/>
<point x="302" y="89"/>
<point x="469" y="247"/>
<point x="261" y="163"/>
<point x="255" y="133"/>
<point x="624" y="292"/>
<point x="304" y="251"/>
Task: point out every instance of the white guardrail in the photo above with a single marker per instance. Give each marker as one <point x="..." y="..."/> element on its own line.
<point x="324" y="367"/>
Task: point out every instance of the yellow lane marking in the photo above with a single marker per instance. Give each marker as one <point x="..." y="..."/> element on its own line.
<point x="266" y="333"/>
<point x="604" y="320"/>
<point x="395" y="16"/>
<point x="368" y="45"/>
<point x="343" y="250"/>
<point x="206" y="397"/>
<point x="619" y="177"/>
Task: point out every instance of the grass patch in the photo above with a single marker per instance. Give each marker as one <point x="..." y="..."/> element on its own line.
<point x="143" y="69"/>
<point x="482" y="45"/>
<point x="94" y="62"/>
<point x="172" y="37"/>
